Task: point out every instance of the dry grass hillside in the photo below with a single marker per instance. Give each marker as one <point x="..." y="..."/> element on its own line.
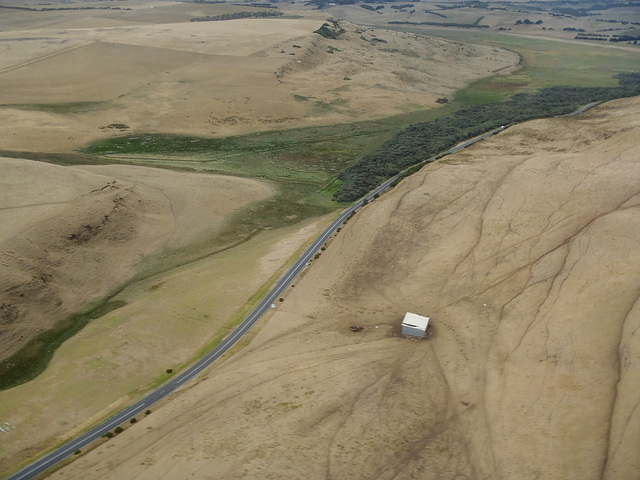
<point x="70" y="77"/>
<point x="374" y="72"/>
<point x="523" y="250"/>
<point x="71" y="235"/>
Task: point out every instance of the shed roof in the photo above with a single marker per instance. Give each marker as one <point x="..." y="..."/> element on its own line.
<point x="416" y="321"/>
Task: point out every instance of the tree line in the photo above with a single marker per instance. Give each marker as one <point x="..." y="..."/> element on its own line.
<point x="421" y="141"/>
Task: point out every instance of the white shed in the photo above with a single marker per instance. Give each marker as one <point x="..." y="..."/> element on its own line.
<point x="415" y="325"/>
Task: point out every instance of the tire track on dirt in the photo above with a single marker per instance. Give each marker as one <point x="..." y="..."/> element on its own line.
<point x="44" y="57"/>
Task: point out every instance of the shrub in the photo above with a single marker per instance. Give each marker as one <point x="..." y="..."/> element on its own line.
<point x="236" y="15"/>
<point x="147" y="412"/>
<point x="133" y="420"/>
<point x="118" y="430"/>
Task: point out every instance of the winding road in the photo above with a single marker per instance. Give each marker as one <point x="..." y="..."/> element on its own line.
<point x="51" y="459"/>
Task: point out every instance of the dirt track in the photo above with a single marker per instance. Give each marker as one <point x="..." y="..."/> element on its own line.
<point x="522" y="249"/>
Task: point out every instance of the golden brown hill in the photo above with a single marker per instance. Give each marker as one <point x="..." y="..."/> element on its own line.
<point x="72" y="235"/>
<point x="523" y="249"/>
<point x="77" y="80"/>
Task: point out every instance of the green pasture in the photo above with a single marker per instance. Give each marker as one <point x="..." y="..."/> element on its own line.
<point x="310" y="158"/>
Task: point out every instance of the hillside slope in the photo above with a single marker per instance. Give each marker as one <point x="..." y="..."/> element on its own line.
<point x="71" y="235"/>
<point x="77" y="81"/>
<point x="523" y="250"/>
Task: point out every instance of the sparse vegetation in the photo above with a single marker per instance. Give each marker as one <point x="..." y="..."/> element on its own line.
<point x="302" y="161"/>
<point x="304" y="170"/>
<point x="115" y="126"/>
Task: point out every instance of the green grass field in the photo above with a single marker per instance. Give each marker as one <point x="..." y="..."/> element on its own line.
<point x="547" y="63"/>
<point x="303" y="162"/>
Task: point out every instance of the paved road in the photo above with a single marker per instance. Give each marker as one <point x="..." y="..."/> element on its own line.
<point x="580" y="110"/>
<point x="67" y="450"/>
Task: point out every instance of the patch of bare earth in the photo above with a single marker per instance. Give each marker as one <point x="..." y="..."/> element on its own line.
<point x="523" y="250"/>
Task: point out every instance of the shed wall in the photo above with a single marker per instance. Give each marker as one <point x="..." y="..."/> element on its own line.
<point x="416" y="332"/>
